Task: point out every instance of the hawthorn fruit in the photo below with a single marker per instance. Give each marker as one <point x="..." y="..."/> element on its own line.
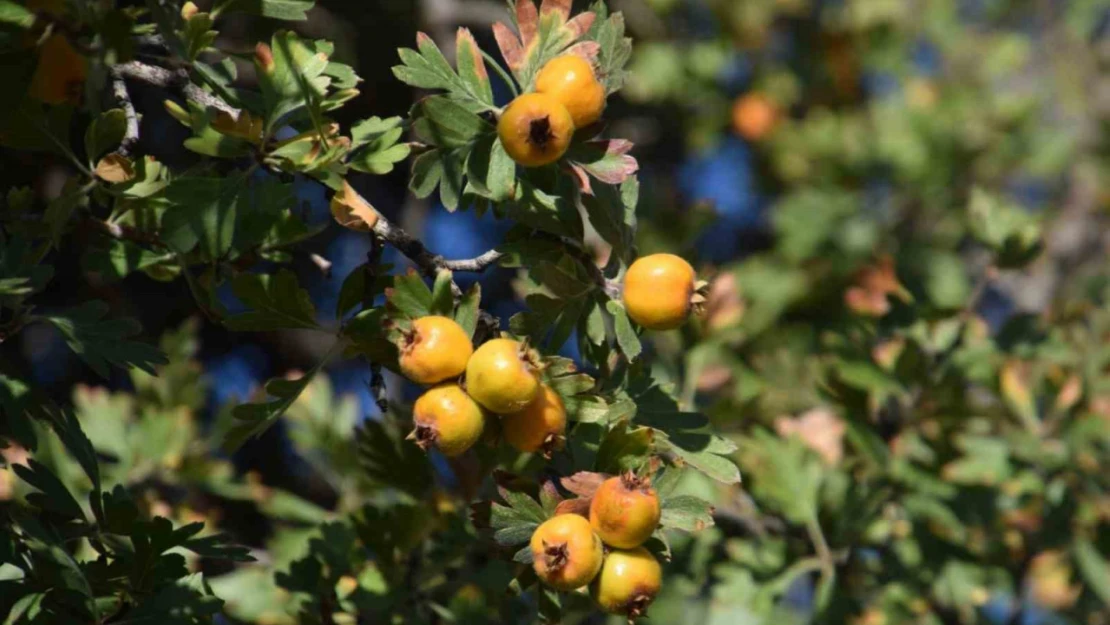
<point x="628" y="582"/>
<point x="535" y="129"/>
<point x="434" y="349"/>
<point x="448" y="419"/>
<point x="625" y="511"/>
<point x="501" y="376"/>
<point x="659" y="291"/>
<point x="566" y="553"/>
<point x="570" y="79"/>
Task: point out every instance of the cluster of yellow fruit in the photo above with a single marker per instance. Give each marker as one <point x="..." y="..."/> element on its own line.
<point x="536" y="127"/>
<point x="569" y="551"/>
<point x="502" y="378"/>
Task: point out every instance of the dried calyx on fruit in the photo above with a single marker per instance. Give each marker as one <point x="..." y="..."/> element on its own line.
<point x="628" y="582"/>
<point x="502" y="375"/>
<point x="540" y="426"/>
<point x="434" y="349"/>
<point x="625" y="511"/>
<point x="566" y="554"/>
<point x="535" y="129"/>
<point x="448" y="419"/>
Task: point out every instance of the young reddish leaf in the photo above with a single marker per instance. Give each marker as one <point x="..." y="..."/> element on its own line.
<point x="606" y="160"/>
<point x="589" y="50"/>
<point x="581" y="24"/>
<point x="583" y="483"/>
<point x="510" y="47"/>
<point x="578" y="505"/>
<point x="527" y="20"/>
<point x="562" y="7"/>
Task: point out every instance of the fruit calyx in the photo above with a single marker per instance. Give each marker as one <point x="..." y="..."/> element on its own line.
<point x="631" y="481"/>
<point x="637" y="606"/>
<point x="699" y="297"/>
<point x="551" y="444"/>
<point x="556" y="555"/>
<point x="539" y="132"/>
<point x="425" y="436"/>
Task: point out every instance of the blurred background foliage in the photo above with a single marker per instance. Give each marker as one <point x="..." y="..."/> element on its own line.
<point x="903" y="205"/>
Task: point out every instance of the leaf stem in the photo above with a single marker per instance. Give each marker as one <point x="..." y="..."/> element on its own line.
<point x="501" y="72"/>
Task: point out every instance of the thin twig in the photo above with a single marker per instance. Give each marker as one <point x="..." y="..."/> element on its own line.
<point x="123" y="98"/>
<point x="177" y="80"/>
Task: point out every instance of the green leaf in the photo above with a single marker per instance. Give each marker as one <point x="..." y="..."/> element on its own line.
<point x="105" y="133"/>
<point x="291" y="84"/>
<point x="203" y="213"/>
<point x="374" y="145"/>
<point x="610" y="216"/>
<point x="427" y="68"/>
<point x="254" y="419"/>
<point x="54" y="496"/>
<point x="686" y="513"/>
<point x="624" y="449"/>
<point x="614" y="50"/>
<point x="102" y="342"/>
<point x="443" y="122"/>
<point x="466" y="315"/>
<point x="117" y="259"/>
<point x="627" y="338"/>
<point x="21" y="275"/>
<point x="1093" y="567"/>
<point x="443" y="301"/>
<point x="290" y="10"/>
<point x="514" y="523"/>
<point x="278" y="301"/>
<point x="410" y="295"/>
<point x="16" y="14"/>
<point x="1014" y="234"/>
<point x="388" y="459"/>
<point x="472" y="68"/>
<point x="61" y="208"/>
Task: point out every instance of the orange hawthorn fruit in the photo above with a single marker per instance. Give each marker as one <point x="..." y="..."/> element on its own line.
<point x="570" y="79"/>
<point x="535" y="129"/>
<point x="540" y="426"/>
<point x="625" y="511"/>
<point x="628" y="582"/>
<point x="659" y="291"/>
<point x="566" y="554"/>
<point x="754" y="116"/>
<point x="501" y="375"/>
<point x="434" y="349"/>
<point x="448" y="419"/>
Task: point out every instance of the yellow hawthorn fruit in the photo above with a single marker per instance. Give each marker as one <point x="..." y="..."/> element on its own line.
<point x="448" y="419"/>
<point x="658" y="291"/>
<point x="60" y="74"/>
<point x="501" y="375"/>
<point x="566" y="553"/>
<point x="570" y="79"/>
<point x="628" y="582"/>
<point x="625" y="511"/>
<point x="541" y="426"/>
<point x="535" y="129"/>
<point x="434" y="349"/>
<point x="753" y="116"/>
